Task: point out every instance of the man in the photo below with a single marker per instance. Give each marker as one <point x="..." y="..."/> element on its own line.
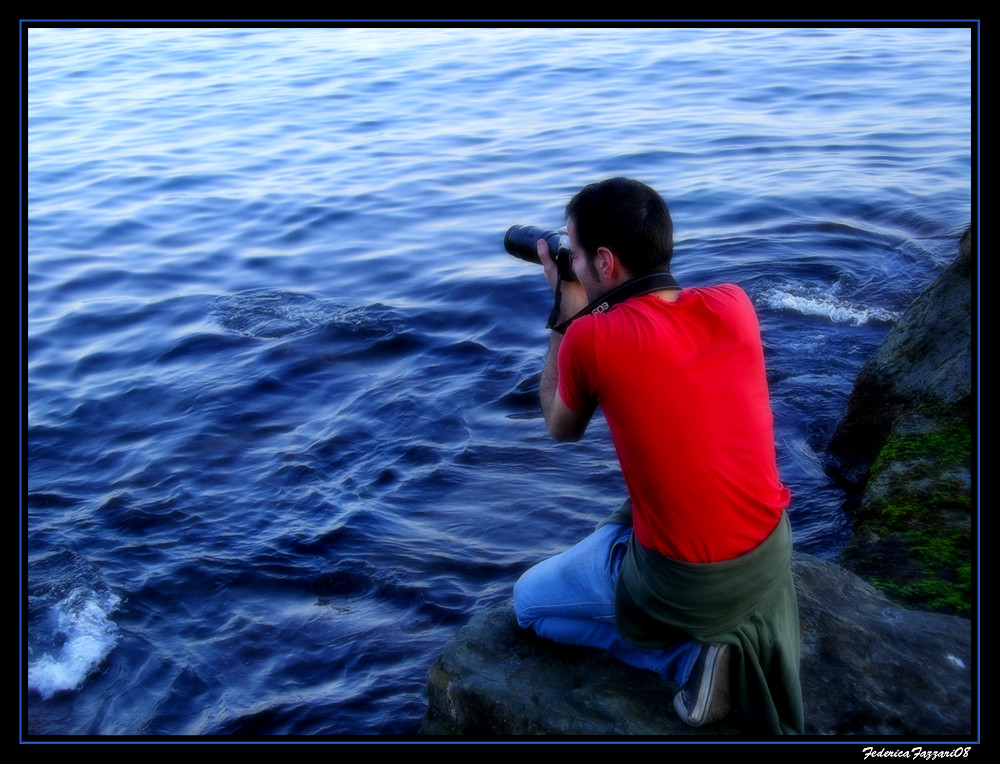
<point x="691" y="578"/>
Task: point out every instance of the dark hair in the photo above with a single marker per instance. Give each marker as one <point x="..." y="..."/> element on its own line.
<point x="627" y="217"/>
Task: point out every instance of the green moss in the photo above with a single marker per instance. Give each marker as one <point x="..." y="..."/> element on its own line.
<point x="949" y="444"/>
<point x="929" y="594"/>
<point x="914" y="540"/>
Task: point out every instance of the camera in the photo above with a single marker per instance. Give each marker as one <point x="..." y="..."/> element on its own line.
<point x="520" y="241"/>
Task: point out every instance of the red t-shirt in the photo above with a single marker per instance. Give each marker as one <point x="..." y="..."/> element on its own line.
<point x="683" y="389"/>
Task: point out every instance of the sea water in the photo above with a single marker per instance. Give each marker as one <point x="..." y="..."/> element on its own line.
<point x="282" y="435"/>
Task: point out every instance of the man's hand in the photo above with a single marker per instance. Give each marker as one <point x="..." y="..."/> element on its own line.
<point x="574" y="298"/>
<point x="562" y="422"/>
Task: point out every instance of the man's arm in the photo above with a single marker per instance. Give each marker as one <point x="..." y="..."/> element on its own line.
<point x="562" y="422"/>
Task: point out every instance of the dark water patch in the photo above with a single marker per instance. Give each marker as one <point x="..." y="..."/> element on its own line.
<point x="317" y="217"/>
<point x="333" y="449"/>
<point x="188" y="682"/>
<point x="197" y="347"/>
<point x="189" y="239"/>
<point x="275" y="720"/>
<point x="274" y="314"/>
<point x="348" y="578"/>
<point x="328" y="542"/>
<point x="138" y="516"/>
<point x="92" y="281"/>
<point x="126" y="232"/>
<point x="403" y="344"/>
<point x="46" y="500"/>
<point x="98" y="363"/>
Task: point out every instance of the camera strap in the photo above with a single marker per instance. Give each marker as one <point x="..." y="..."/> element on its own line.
<point x="651" y="282"/>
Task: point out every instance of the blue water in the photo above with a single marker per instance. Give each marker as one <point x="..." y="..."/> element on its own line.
<point x="282" y="435"/>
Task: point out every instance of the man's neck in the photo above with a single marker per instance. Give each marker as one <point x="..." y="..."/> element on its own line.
<point x="670" y="295"/>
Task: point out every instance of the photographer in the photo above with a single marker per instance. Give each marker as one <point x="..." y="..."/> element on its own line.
<point x="691" y="577"/>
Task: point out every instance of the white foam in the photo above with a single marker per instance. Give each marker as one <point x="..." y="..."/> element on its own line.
<point x="86" y="634"/>
<point x="827" y="306"/>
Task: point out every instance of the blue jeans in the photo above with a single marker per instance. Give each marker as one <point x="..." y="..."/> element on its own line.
<point x="570" y="599"/>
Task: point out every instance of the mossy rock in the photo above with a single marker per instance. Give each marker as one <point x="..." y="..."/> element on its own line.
<point x="913" y="529"/>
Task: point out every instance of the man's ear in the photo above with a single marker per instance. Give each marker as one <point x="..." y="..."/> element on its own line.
<point x="606" y="263"/>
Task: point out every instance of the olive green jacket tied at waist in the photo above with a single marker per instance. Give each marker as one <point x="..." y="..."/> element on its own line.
<point x="748" y="602"/>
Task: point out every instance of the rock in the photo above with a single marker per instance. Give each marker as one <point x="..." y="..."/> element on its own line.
<point x="907" y="439"/>
<point x="913" y="528"/>
<point x="925" y="360"/>
<point x="494" y="678"/>
<point x="868" y="667"/>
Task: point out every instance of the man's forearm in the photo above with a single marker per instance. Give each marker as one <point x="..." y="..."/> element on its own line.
<point x="561" y="421"/>
<point x="549" y="384"/>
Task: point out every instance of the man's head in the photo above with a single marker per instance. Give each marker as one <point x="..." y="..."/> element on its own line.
<point x="627" y="217"/>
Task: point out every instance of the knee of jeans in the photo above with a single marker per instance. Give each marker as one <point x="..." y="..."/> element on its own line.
<point x="521" y="604"/>
<point x="518" y="602"/>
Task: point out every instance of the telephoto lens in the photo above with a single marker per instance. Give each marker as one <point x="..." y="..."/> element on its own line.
<point x="521" y="241"/>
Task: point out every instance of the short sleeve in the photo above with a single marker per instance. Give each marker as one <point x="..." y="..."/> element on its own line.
<point x="577" y="369"/>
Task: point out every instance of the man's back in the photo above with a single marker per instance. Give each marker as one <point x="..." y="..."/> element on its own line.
<point x="683" y="388"/>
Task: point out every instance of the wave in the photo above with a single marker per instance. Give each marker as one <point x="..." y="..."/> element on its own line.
<point x="272" y="314"/>
<point x="824" y="305"/>
<point x="71" y="629"/>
